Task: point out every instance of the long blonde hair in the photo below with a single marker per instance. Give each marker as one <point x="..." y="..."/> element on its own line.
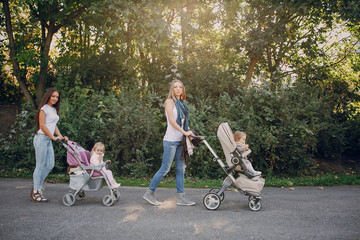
<point x="96" y="145"/>
<point x="171" y="91"/>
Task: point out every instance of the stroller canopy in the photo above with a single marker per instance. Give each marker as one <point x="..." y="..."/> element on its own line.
<point x="226" y="138"/>
<point x="76" y="154"/>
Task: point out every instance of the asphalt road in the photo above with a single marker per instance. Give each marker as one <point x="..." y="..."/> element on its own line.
<point x="302" y="213"/>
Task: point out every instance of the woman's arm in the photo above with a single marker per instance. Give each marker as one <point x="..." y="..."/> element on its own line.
<point x="57" y="132"/>
<point x="169" y="105"/>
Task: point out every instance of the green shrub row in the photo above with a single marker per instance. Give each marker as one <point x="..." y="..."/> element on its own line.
<point x="285" y="130"/>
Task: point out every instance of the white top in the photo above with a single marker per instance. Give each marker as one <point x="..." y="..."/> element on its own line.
<point x="51" y="118"/>
<point x="172" y="134"/>
<point x="94" y="160"/>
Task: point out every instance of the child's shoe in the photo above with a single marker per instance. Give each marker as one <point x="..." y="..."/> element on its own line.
<point x="114" y="184"/>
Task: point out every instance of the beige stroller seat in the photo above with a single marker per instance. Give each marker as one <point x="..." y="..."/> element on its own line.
<point x="226" y="138"/>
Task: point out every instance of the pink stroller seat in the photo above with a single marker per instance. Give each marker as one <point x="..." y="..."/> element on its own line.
<point x="83" y="156"/>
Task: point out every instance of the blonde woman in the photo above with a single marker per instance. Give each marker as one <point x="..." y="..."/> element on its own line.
<point x="176" y="113"/>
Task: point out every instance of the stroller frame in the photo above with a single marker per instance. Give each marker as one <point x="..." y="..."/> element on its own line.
<point x="213" y="199"/>
<point x="91" y="179"/>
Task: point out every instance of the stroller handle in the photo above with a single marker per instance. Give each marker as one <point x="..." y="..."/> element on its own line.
<point x="65" y="145"/>
<point x="198" y="137"/>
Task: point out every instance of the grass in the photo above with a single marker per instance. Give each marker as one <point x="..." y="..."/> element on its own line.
<point x="325" y="179"/>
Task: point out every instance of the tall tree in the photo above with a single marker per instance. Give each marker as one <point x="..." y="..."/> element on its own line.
<point x="20" y="75"/>
<point x="51" y="17"/>
<point x="273" y="34"/>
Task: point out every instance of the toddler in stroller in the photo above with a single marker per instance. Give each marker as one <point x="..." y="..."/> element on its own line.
<point x="250" y="186"/>
<point x="84" y="177"/>
<point x="244" y="150"/>
<point x="96" y="159"/>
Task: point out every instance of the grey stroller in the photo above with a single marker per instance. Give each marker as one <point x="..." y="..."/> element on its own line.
<point x="249" y="187"/>
<point x="84" y="177"/>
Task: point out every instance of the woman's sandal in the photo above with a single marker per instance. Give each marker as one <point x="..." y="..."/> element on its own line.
<point x="38" y="197"/>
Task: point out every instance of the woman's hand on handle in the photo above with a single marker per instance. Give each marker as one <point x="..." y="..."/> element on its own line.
<point x="188" y="133"/>
<point x="61" y="138"/>
<point x="56" y="138"/>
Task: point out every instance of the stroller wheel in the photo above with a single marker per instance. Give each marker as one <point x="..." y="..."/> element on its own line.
<point x="80" y="195"/>
<point x="117" y="195"/>
<point x="254" y="203"/>
<point x="108" y="200"/>
<point x="211" y="201"/>
<point x="216" y="190"/>
<point x="69" y="199"/>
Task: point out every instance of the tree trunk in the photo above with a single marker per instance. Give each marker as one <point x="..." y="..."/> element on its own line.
<point x="21" y="80"/>
<point x="275" y="80"/>
<point x="183" y="23"/>
<point x="44" y="64"/>
<point x="250" y="71"/>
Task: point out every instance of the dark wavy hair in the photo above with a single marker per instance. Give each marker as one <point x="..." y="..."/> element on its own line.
<point x="45" y="99"/>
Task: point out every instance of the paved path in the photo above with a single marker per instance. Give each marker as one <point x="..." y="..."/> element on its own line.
<point x="303" y="213"/>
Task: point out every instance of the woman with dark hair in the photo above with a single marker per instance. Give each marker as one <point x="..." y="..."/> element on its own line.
<point x="46" y="129"/>
<point x="177" y="127"/>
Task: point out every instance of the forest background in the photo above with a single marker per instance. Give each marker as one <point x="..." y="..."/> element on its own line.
<point x="286" y="72"/>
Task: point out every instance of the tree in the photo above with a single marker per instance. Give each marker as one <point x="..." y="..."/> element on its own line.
<point x="276" y="35"/>
<point x="51" y="17"/>
<point x="20" y="75"/>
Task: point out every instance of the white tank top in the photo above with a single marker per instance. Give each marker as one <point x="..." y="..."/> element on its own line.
<point x="172" y="134"/>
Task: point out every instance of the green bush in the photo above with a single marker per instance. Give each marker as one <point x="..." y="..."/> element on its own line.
<point x="128" y="125"/>
<point x="286" y="130"/>
<point x="281" y="128"/>
<point x="16" y="146"/>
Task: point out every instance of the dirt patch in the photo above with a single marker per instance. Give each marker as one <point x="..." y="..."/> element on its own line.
<point x="7" y="116"/>
<point x="339" y="167"/>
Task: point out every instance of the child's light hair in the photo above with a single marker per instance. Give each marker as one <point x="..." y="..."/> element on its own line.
<point x="97" y="145"/>
<point x="238" y="135"/>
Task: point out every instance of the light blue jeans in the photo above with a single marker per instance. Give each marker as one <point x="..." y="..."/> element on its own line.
<point x="45" y="160"/>
<point x="172" y="150"/>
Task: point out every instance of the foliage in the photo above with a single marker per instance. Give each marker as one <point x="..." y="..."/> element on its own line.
<point x="113" y="63"/>
<point x="17" y="149"/>
<point x="127" y="124"/>
<point x="286" y="130"/>
<point x="280" y="127"/>
<point x="9" y="92"/>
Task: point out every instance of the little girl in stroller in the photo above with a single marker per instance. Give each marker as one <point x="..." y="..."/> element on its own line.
<point x="248" y="185"/>
<point x="84" y="177"/>
<point x="96" y="159"/>
<point x="244" y="150"/>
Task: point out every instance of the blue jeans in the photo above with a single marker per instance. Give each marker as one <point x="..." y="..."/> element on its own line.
<point x="172" y="150"/>
<point x="45" y="160"/>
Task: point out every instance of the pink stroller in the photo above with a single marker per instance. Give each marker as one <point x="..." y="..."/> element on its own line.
<point x="84" y="177"/>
